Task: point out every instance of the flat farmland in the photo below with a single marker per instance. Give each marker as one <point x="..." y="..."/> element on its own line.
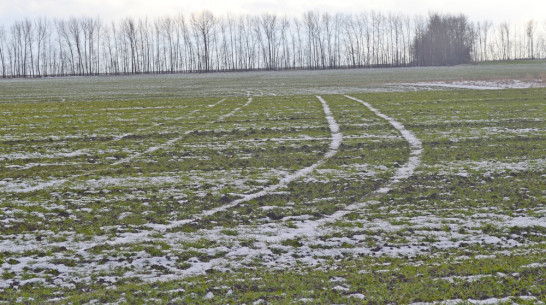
<point x="345" y="186"/>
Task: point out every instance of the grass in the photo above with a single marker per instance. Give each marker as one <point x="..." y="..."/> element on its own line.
<point x="379" y="280"/>
<point x="89" y="212"/>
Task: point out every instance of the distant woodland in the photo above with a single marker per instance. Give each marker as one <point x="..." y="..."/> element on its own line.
<point x="203" y="42"/>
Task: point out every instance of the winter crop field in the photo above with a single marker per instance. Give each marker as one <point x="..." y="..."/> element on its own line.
<point x="410" y="185"/>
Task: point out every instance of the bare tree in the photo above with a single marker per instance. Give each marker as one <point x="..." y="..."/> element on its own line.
<point x="482" y="35"/>
<point x="203" y="26"/>
<point x="129" y="30"/>
<point x="530" y="32"/>
<point x="75" y="32"/>
<point x="297" y="45"/>
<point x="42" y="30"/>
<point x="17" y="51"/>
<point x="268" y="27"/>
<point x="504" y="41"/>
<point x="2" y="51"/>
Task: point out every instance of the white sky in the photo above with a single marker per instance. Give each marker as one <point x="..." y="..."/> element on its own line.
<point x="494" y="10"/>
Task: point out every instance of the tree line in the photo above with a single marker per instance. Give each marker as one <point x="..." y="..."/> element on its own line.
<point x="203" y="42"/>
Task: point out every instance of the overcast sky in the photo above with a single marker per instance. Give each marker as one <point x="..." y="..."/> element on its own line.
<point x="494" y="10"/>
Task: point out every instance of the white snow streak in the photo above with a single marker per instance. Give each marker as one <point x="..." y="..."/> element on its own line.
<point x="23" y="187"/>
<point x="223" y="117"/>
<point x="217" y="103"/>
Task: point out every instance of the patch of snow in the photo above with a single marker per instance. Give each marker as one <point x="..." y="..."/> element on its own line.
<point x="359" y="296"/>
<point x="338" y="279"/>
<point x="223" y="117"/>
<point x="209" y="296"/>
<point x="482" y="85"/>
<point x="341" y="288"/>
<point x="24" y="187"/>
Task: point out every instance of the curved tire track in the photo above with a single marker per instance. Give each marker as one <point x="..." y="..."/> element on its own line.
<point x="311" y="228"/>
<point x="275" y="233"/>
<point x="337" y="138"/>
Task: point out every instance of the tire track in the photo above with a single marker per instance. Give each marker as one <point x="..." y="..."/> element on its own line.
<point x="311" y="228"/>
<point x="336" y="137"/>
<point x="275" y="233"/>
<point x="172" y="141"/>
<point x="416" y="147"/>
<point x="223" y="117"/>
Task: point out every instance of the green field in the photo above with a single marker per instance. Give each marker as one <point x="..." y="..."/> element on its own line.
<point x="346" y="186"/>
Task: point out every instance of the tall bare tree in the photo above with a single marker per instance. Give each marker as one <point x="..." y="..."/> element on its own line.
<point x="530" y="31"/>
<point x="203" y="26"/>
<point x="268" y="28"/>
<point x="2" y="51"/>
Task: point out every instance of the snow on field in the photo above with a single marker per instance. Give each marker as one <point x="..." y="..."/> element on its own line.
<point x="217" y="103"/>
<point x="223" y="117"/>
<point x="27" y="187"/>
<point x="485" y="167"/>
<point x="269" y="235"/>
<point x="287" y="242"/>
<point x="481" y="85"/>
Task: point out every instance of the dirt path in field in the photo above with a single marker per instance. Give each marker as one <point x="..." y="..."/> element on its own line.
<point x="337" y="138"/>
